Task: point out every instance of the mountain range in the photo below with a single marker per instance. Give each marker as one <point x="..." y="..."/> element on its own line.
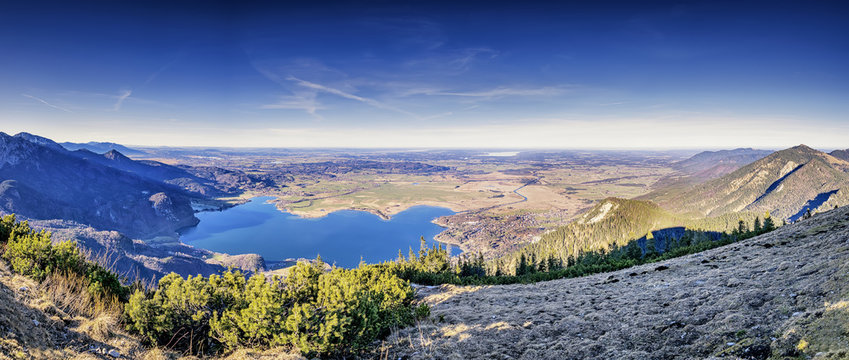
<point x="42" y="180"/>
<point x="107" y="201"/>
<point x="786" y="183"/>
<point x="199" y="181"/>
<point x="101" y="147"/>
<point x="713" y="164"/>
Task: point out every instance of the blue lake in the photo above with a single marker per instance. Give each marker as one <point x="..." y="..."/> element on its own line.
<point x="342" y="237"/>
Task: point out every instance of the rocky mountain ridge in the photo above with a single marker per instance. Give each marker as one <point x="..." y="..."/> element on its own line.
<point x="101" y="147"/>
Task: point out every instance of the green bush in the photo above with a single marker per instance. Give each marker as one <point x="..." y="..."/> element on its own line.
<point x="30" y="254"/>
<point x="33" y="253"/>
<point x="320" y="313"/>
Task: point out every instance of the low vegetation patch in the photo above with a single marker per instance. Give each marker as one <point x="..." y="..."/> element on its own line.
<point x="319" y="313"/>
<point x="32" y="253"/>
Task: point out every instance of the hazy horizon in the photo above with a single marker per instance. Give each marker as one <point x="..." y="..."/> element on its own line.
<point x="499" y="75"/>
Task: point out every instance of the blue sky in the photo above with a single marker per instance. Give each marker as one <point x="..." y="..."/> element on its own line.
<point x="601" y="74"/>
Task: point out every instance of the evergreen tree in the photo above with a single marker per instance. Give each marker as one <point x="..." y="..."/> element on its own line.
<point x="422" y="248"/>
<point x="742" y="228"/>
<point x="542" y="266"/>
<point x="522" y="268"/>
<point x="633" y="251"/>
<point x="769" y="225"/>
<point x="651" y="246"/>
<point x="552" y="264"/>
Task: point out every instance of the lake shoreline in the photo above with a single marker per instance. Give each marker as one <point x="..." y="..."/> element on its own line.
<point x="343" y="237"/>
<point x="385" y="215"/>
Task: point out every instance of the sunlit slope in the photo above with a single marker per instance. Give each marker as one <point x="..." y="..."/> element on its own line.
<point x="783" y="183"/>
<point x="615" y="222"/>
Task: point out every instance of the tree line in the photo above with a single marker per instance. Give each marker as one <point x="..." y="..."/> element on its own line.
<point x="434" y="265"/>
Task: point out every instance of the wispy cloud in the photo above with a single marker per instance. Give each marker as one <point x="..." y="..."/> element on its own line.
<point x="492" y="93"/>
<point x="305" y="100"/>
<point x="437" y="116"/>
<point x="470" y="54"/>
<point x="347" y="95"/>
<point x="121" y="97"/>
<point x="448" y="62"/>
<point x="112" y="98"/>
<point x="46" y="103"/>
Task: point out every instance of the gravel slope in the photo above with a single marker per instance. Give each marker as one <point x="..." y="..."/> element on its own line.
<point x="779" y="295"/>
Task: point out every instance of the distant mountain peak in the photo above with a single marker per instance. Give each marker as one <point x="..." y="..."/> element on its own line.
<point x="803" y="147"/>
<point x="841" y="154"/>
<point x="115" y="155"/>
<point x="35" y="139"/>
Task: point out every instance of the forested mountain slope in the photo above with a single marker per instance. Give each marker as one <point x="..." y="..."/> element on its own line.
<point x="615" y="222"/>
<point x="781" y="294"/>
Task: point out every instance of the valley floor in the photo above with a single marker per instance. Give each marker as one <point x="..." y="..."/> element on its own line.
<point x="782" y="294"/>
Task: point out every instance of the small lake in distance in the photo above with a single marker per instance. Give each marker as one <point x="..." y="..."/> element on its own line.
<point x="341" y="236"/>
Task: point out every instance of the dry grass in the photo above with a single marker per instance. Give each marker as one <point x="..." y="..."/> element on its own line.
<point x="101" y="328"/>
<point x="273" y="354"/>
<point x="70" y="293"/>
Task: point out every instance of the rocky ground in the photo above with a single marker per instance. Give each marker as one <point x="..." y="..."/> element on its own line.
<point x="781" y="295"/>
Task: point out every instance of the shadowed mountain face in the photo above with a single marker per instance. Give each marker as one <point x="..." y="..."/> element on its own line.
<point x="204" y="181"/>
<point x="841" y="154"/>
<point x="40" y="179"/>
<point x="783" y="183"/>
